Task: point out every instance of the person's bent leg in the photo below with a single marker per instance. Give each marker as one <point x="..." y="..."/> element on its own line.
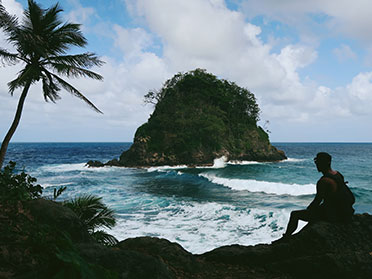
<point x="296" y="215"/>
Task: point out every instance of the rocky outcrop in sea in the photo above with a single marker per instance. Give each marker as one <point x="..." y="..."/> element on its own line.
<point x="198" y="118"/>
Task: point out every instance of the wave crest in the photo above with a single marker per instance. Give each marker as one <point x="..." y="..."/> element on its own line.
<point x="252" y="185"/>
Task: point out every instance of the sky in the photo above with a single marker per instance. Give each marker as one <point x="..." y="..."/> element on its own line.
<point x="309" y="64"/>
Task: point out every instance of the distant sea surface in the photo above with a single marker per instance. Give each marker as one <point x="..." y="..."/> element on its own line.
<point x="199" y="208"/>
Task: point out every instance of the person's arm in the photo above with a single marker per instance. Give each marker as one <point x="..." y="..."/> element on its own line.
<point x="320" y="191"/>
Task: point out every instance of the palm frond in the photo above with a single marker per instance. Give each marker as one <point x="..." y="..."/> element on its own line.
<point x="32" y="17"/>
<point x="104" y="217"/>
<point x="68" y="87"/>
<point x="8" y="23"/>
<point x="87" y="207"/>
<point x="34" y="36"/>
<point x="24" y="76"/>
<point x="92" y="212"/>
<point x="51" y="20"/>
<point x="104" y="238"/>
<point x="7" y="57"/>
<point x="73" y="71"/>
<point x="67" y="35"/>
<point x="50" y="89"/>
<point x="85" y="60"/>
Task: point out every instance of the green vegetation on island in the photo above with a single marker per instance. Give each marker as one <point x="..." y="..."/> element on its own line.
<point x="198" y="118"/>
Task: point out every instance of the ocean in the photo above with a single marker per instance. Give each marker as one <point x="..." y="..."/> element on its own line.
<point x="200" y="208"/>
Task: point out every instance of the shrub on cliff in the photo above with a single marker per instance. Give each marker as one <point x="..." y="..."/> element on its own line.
<point x="17" y="187"/>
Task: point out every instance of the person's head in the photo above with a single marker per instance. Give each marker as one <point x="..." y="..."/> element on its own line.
<point x="323" y="161"/>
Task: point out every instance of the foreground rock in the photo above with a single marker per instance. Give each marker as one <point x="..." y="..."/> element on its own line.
<point x="199" y="118"/>
<point x="322" y="250"/>
<point x="31" y="247"/>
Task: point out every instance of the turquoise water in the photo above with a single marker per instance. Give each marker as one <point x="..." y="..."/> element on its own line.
<point x="200" y="208"/>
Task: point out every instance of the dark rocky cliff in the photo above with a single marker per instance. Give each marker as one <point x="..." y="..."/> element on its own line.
<point x="198" y="118"/>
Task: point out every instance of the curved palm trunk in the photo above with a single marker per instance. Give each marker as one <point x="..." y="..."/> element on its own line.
<point x="17" y="117"/>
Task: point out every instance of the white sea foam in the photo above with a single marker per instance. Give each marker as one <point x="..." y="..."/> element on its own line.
<point x="294" y="160"/>
<point x="290" y="160"/>
<point x="165" y="168"/>
<point x="46" y="185"/>
<point x="64" y="167"/>
<point x="219" y="163"/>
<point x="75" y="167"/>
<point x="252" y="185"/>
<point x="235" y="162"/>
<point x="200" y="227"/>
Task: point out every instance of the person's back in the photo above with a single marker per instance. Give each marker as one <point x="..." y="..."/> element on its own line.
<point x="338" y="201"/>
<point x="333" y="201"/>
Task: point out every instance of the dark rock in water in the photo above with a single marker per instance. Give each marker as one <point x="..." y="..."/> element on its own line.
<point x="114" y="163"/>
<point x="199" y="118"/>
<point x="94" y="164"/>
<point x="98" y="164"/>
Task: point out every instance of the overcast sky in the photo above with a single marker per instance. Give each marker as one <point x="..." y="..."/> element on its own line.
<point x="309" y="63"/>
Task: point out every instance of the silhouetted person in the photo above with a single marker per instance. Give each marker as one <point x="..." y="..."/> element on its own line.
<point x="333" y="201"/>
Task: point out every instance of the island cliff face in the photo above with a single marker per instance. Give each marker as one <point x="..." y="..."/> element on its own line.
<point x="199" y="118"/>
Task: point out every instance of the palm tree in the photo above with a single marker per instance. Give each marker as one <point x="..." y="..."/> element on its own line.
<point x="41" y="42"/>
<point x="94" y="214"/>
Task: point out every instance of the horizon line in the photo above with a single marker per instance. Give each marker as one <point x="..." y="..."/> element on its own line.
<point x="132" y="142"/>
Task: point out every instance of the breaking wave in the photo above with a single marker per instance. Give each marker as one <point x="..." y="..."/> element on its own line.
<point x="252" y="185"/>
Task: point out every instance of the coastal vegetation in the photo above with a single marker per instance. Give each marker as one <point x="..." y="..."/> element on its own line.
<point x="38" y="235"/>
<point x="197" y="118"/>
<point x="94" y="214"/>
<point x="40" y="43"/>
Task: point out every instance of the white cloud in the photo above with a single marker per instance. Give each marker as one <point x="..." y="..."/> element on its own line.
<point x="82" y="15"/>
<point x="344" y="53"/>
<point x="13" y="7"/>
<point x="360" y="93"/>
<point x="207" y="34"/>
<point x="132" y="41"/>
<point x="199" y="29"/>
<point x="193" y="33"/>
<point x="342" y="16"/>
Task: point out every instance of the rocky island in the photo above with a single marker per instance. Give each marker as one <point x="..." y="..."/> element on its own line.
<point x="198" y="118"/>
